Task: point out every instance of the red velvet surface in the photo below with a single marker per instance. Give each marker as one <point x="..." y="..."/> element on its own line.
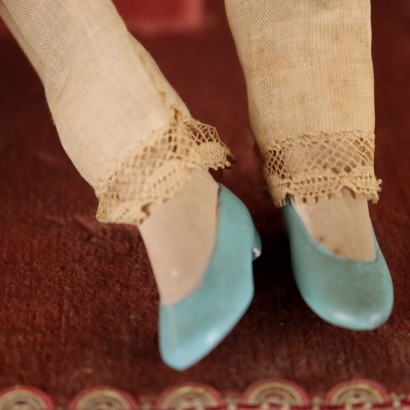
<point x="78" y="303"/>
<point x="161" y="16"/>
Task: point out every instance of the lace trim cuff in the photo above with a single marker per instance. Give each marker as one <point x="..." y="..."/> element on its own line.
<point x="312" y="166"/>
<point x="156" y="168"/>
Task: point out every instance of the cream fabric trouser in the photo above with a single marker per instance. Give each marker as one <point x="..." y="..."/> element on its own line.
<point x="309" y="75"/>
<point x="123" y="126"/>
<point x="308" y="69"/>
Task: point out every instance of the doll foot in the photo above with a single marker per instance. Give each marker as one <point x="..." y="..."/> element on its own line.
<point x="179" y="236"/>
<point x="341" y="225"/>
<point x="192" y="327"/>
<point x="352" y="294"/>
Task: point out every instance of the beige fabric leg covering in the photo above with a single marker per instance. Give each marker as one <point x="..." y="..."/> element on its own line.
<point x="124" y="127"/>
<point x="8" y="19"/>
<point x="309" y="75"/>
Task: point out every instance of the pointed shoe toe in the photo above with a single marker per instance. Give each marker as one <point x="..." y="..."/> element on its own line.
<point x="189" y="329"/>
<point x="356" y="300"/>
<point x="345" y="293"/>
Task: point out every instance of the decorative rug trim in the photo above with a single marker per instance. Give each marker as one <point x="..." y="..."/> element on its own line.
<point x="270" y="394"/>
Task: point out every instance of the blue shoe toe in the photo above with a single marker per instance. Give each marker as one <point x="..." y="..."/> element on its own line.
<point x="188" y="337"/>
<point x="352" y="298"/>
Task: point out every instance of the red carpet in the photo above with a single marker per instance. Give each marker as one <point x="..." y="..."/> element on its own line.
<point x="78" y="303"/>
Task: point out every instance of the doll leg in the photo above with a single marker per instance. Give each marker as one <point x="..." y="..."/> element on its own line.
<point x="126" y="131"/>
<point x="133" y="139"/>
<point x="309" y="75"/>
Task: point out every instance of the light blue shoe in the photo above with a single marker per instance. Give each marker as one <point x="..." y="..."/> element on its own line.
<point x="192" y="327"/>
<point x="345" y="293"/>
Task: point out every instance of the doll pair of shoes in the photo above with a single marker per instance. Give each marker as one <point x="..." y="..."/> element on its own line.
<point x="353" y="295"/>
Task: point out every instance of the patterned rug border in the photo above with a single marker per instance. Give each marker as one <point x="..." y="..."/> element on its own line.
<point x="269" y="394"/>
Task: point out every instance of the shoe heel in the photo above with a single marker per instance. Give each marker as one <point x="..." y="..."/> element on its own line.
<point x="257" y="246"/>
